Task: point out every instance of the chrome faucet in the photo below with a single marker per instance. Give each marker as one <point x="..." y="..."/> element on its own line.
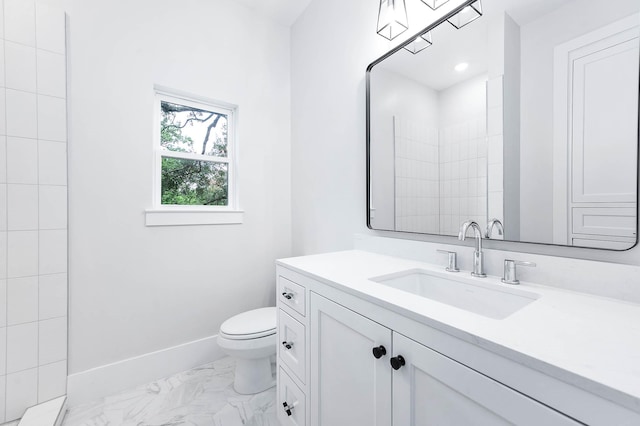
<point x="478" y="270"/>
<point x="491" y="224"/>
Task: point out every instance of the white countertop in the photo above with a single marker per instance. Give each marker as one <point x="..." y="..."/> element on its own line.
<point x="585" y="340"/>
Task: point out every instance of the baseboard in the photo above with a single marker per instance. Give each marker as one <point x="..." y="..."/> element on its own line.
<point x="109" y="379"/>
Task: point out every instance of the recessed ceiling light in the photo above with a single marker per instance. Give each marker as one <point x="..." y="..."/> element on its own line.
<point x="461" y="66"/>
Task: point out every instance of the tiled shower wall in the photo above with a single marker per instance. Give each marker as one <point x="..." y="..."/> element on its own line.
<point x="416" y="177"/>
<point x="33" y="206"/>
<point x="463" y="174"/>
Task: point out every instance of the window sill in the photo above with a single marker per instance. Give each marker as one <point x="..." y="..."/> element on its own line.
<point x="174" y="217"/>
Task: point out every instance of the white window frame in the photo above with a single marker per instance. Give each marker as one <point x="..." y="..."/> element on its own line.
<point x="166" y="214"/>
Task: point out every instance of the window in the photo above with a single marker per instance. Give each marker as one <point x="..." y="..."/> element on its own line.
<point x="194" y="161"/>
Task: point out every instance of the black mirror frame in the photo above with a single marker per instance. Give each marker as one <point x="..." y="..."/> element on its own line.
<point x="454" y="239"/>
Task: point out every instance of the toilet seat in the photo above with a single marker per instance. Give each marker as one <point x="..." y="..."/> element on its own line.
<point x="250" y="325"/>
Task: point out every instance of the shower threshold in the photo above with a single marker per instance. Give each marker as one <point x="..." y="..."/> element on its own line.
<point x="50" y="413"/>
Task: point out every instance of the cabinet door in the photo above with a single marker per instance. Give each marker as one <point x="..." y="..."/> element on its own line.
<point x="431" y="389"/>
<point x="349" y="386"/>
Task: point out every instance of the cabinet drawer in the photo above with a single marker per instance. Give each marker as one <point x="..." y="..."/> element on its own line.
<point x="614" y="221"/>
<point x="289" y="393"/>
<point x="291" y="348"/>
<point x="291" y="294"/>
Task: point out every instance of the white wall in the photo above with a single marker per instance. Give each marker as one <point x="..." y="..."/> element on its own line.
<point x="511" y="130"/>
<point x="536" y="145"/>
<point x="137" y="289"/>
<point x="463" y="100"/>
<point x="328" y="162"/>
<point x="331" y="45"/>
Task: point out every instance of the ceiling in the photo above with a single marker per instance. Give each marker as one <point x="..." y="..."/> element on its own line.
<point x="283" y="11"/>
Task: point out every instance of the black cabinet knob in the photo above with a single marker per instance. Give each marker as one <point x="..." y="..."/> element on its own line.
<point x="287" y="345"/>
<point x="397" y="362"/>
<point x="379" y="352"/>
<point x="288" y="296"/>
<point x="287" y="408"/>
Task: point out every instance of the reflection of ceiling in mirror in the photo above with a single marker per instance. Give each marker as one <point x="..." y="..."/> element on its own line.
<point x="434" y="66"/>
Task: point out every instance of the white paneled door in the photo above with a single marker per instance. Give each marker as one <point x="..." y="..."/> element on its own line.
<point x="596" y="90"/>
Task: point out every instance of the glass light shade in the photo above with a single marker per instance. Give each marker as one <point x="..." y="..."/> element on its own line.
<point x="466" y="15"/>
<point x="434" y="4"/>
<point x="392" y="18"/>
<point x="420" y="43"/>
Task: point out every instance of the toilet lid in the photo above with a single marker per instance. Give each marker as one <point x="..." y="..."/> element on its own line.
<point x="251" y="324"/>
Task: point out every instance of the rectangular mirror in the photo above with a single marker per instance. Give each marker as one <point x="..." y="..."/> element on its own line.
<point x="525" y="120"/>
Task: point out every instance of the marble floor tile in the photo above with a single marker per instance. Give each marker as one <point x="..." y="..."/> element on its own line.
<point x="203" y="396"/>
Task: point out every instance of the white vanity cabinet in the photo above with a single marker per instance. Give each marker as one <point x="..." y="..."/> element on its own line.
<point x="432" y="389"/>
<point x="353" y="387"/>
<point x="335" y="378"/>
<point x="350" y="386"/>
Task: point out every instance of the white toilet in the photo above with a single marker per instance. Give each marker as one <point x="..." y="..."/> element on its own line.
<point x="250" y="337"/>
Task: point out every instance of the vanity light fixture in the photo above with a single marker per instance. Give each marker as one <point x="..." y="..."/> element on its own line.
<point x="420" y="43"/>
<point x="392" y="18"/>
<point x="461" y="66"/>
<point x="434" y="4"/>
<point x="466" y="15"/>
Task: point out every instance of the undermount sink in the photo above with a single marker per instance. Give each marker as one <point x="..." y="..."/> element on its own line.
<point x="489" y="300"/>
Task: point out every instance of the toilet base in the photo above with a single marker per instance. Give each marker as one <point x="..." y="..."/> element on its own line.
<point x="253" y="375"/>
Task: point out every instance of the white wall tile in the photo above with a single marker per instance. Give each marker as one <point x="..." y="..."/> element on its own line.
<point x="52" y="118"/>
<point x="3" y="207"/>
<point x="20" y="21"/>
<point x="3" y="159"/>
<point x="52" y="163"/>
<point x="53" y="207"/>
<point x="51" y="74"/>
<point x="1" y="53"/>
<point x="53" y="252"/>
<point x="495" y="149"/>
<point x="50" y="28"/>
<point x="52" y="381"/>
<point x="496" y="205"/>
<point x="3" y="383"/>
<point x="22" y="163"/>
<point x="482" y="167"/>
<point x="22" y="113"/>
<point x="3" y="255"/>
<point x="482" y="186"/>
<point x="22" y="207"/>
<point x="3" y="112"/>
<point x="495" y="177"/>
<point x="3" y="350"/>
<point x="53" y="340"/>
<point x="1" y="31"/>
<point x="22" y="347"/>
<point x="53" y="296"/>
<point x="20" y="67"/>
<point x="22" y="392"/>
<point x="22" y="253"/>
<point x="494" y="92"/>
<point x="3" y="312"/>
<point x="22" y="300"/>
<point x="494" y="121"/>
